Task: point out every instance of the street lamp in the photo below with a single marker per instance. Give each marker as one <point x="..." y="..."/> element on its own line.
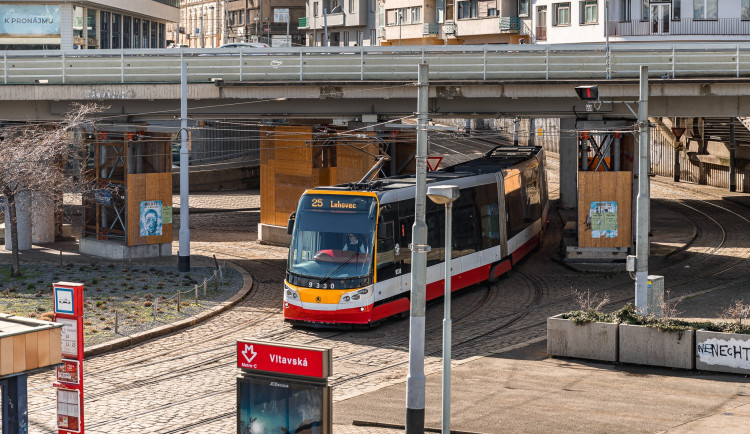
<point x="203" y="39"/>
<point x="445" y="195"/>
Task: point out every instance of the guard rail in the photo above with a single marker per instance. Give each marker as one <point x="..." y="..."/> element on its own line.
<point x="352" y="64"/>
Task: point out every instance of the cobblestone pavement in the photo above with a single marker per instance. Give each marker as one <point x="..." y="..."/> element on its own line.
<point x="185" y="382"/>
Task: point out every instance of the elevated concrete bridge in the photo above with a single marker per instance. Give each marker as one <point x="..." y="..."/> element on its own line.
<point x="687" y="80"/>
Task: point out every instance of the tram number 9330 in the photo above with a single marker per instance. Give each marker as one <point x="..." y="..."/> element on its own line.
<point x="318" y="286"/>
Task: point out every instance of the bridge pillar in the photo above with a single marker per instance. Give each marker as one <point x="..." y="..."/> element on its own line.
<point x="23" y="218"/>
<point x="568" y="163"/>
<point x="42" y="220"/>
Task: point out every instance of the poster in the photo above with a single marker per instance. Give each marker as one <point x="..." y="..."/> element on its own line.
<point x="267" y="406"/>
<point x="151" y="220"/>
<point x="603" y="218"/>
<point x="29" y="20"/>
<point x="166" y="214"/>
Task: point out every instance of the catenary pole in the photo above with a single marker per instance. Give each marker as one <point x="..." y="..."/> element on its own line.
<point x="415" y="380"/>
<point x="183" y="258"/>
<point x="642" y="201"/>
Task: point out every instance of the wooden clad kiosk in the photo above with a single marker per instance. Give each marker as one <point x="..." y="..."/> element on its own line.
<point x="130" y="214"/>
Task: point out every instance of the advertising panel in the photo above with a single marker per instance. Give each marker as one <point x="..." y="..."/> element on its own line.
<point x="273" y="405"/>
<point x="29" y="20"/>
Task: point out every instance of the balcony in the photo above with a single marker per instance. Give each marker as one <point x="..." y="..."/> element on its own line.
<point x="302" y="23"/>
<point x="429" y="29"/>
<point x="683" y="27"/>
<point x="510" y="24"/>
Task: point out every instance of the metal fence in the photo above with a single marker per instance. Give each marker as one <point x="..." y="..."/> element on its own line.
<point x="698" y="172"/>
<point x="337" y="64"/>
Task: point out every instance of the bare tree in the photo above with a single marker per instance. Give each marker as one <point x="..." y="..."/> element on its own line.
<point x="43" y="158"/>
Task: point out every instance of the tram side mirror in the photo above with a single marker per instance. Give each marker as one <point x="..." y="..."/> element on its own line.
<point x="290" y="223"/>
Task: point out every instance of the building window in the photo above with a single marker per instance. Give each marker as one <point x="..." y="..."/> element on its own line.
<point x="91" y="41"/>
<point x="588" y="13"/>
<point x="359" y="38"/>
<point x="335" y="7"/>
<point x="154" y="33"/>
<point x="371" y="4"/>
<point x="104" y="30"/>
<point x="562" y="14"/>
<point x="351" y="6"/>
<point x="644" y="10"/>
<point x="315" y="9"/>
<point x="746" y="9"/>
<point x="541" y="16"/>
<point x="346" y="39"/>
<point x="281" y="15"/>
<point x="491" y="12"/>
<point x="145" y="33"/>
<point x="162" y="35"/>
<point x="373" y="37"/>
<point x="523" y="8"/>
<point x="116" y="30"/>
<point x="676" y="10"/>
<point x="136" y="33"/>
<point x="706" y="9"/>
<point x="625" y="10"/>
<point x="468" y="9"/>
<point x="127" y="35"/>
<point x="416" y="13"/>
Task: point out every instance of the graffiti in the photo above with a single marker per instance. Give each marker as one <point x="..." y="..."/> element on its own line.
<point x="734" y="353"/>
<point x="101" y="94"/>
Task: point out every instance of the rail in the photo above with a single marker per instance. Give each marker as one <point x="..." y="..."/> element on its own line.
<point x="356" y="64"/>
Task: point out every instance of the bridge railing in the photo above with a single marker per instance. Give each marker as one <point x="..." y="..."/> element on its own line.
<point x="352" y="64"/>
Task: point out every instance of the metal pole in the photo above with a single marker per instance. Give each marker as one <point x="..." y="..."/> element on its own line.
<point x="325" y="27"/>
<point x="183" y="258"/>
<point x="447" y="323"/>
<point x="288" y="41"/>
<point x="400" y="18"/>
<point x="246" y="14"/>
<point x="415" y="380"/>
<point x="226" y="21"/>
<point x="203" y="38"/>
<point x="642" y="210"/>
<point x="732" y="158"/>
<point x="606" y="37"/>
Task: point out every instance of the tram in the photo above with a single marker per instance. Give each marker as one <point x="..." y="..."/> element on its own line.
<point x="349" y="261"/>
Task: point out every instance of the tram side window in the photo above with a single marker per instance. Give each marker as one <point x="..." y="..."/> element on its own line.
<point x="465" y="238"/>
<point x="489" y="218"/>
<point x="405" y="226"/>
<point x="532" y="195"/>
<point x="514" y="204"/>
<point x="435" y="237"/>
<point x="386" y="245"/>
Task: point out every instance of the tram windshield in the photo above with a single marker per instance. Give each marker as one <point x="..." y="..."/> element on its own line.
<point x="333" y="237"/>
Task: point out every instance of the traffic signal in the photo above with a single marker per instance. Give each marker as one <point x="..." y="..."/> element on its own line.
<point x="588" y="93"/>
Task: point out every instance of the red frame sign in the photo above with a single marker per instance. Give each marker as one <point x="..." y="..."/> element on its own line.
<point x="267" y="357"/>
<point x="68" y="305"/>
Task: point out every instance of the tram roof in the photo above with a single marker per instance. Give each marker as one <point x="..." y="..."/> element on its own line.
<point x="498" y="158"/>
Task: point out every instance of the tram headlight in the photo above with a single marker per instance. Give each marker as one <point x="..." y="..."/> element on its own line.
<point x="291" y="293"/>
<point x="354" y="295"/>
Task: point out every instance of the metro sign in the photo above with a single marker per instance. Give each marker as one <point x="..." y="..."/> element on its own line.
<point x="269" y="357"/>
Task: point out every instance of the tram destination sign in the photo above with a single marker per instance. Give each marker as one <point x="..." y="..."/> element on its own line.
<point x="330" y="202"/>
<point x="269" y="357"/>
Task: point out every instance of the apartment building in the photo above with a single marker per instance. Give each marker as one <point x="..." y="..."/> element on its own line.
<point x="103" y="24"/>
<point x="347" y="22"/>
<point x="273" y="22"/>
<point x="589" y="21"/>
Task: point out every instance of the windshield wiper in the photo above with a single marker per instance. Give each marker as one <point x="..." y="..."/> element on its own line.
<point x="338" y="267"/>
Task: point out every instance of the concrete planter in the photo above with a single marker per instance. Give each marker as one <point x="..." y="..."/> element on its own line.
<point x="722" y="352"/>
<point x="649" y="346"/>
<point x="595" y="340"/>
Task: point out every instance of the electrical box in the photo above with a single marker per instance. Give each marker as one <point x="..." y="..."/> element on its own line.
<point x="655" y="296"/>
<point x="630" y="263"/>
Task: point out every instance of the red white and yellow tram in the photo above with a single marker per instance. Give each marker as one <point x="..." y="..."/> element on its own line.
<point x="349" y="262"/>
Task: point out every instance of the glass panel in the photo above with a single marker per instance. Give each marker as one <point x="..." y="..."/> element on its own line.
<point x="127" y="35"/>
<point x="333" y="236"/>
<point x="136" y="33"/>
<point x="91" y="28"/>
<point x="116" y="30"/>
